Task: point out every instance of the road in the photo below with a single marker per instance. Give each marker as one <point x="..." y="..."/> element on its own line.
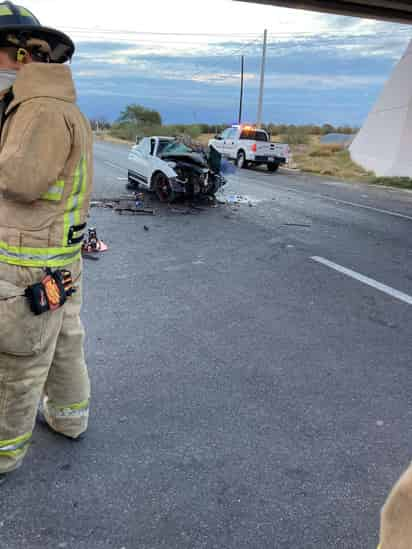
<point x="251" y="375"/>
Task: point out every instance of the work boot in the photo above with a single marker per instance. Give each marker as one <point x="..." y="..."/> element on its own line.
<point x="41" y="419"/>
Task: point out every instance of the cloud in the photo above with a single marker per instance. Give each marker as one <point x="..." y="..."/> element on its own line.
<point x="334" y="76"/>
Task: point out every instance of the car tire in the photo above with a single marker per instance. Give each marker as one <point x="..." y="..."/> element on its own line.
<point x="162" y="187"/>
<point x="241" y="161"/>
<point x="132" y="184"/>
<point x="272" y="167"/>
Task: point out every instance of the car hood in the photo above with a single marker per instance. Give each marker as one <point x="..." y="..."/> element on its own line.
<point x="188" y="158"/>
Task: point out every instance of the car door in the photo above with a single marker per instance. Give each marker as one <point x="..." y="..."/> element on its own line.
<point x="139" y="160"/>
<point x="218" y="142"/>
<point x="230" y="146"/>
<point x="223" y="141"/>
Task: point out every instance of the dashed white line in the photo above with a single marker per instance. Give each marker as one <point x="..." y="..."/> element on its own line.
<point x="365" y="280"/>
<point x="357" y="205"/>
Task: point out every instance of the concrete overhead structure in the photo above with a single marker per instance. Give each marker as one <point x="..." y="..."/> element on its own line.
<point x="387" y="10"/>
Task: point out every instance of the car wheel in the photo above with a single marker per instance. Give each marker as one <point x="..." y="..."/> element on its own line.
<point x="273" y="167"/>
<point x="241" y="160"/>
<point x="132" y="184"/>
<point x="162" y="187"/>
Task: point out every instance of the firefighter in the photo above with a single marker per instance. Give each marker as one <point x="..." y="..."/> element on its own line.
<point x="45" y="186"/>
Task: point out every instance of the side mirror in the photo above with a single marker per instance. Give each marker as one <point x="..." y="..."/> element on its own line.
<point x="218" y="136"/>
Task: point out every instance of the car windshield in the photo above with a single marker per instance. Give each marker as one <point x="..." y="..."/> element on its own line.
<point x="163" y="143"/>
<point x="175" y="147"/>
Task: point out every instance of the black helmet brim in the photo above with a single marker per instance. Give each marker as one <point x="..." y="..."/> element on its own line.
<point x="62" y="47"/>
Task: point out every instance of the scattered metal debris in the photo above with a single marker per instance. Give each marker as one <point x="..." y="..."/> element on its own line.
<point x="130" y="203"/>
<point x="133" y="210"/>
<point x="236" y="200"/>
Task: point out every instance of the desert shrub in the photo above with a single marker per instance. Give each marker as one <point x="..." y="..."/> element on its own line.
<point x="295" y="136"/>
<point x="402" y="182"/>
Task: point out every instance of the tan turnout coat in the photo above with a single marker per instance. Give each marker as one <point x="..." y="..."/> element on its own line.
<point x="45" y="170"/>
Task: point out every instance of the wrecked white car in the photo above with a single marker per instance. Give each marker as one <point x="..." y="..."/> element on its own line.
<point x="170" y="169"/>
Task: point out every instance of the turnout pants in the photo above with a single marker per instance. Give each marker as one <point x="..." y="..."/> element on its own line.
<point x="396" y="519"/>
<point x="41" y="360"/>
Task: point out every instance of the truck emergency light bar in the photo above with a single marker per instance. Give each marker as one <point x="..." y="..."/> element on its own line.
<point x="246" y="127"/>
<point x="386" y="10"/>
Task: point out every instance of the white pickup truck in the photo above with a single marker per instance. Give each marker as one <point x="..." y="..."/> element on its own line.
<point x="250" y="146"/>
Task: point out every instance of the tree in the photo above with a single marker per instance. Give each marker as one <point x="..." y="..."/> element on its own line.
<point x="139" y="115"/>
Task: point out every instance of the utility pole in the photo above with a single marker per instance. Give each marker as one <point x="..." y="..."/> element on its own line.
<point x="242" y="70"/>
<point x="262" y="80"/>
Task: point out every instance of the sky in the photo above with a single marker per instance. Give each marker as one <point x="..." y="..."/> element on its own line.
<point x="182" y="58"/>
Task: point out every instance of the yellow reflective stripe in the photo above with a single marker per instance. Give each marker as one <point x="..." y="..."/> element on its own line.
<point x="61" y="262"/>
<point x="69" y="206"/>
<point x="15" y="444"/>
<point x="4" y="10"/>
<point x="75" y="200"/>
<point x="53" y="197"/>
<point x="55" y="192"/>
<point x="83" y="187"/>
<point x="37" y="252"/>
<point x="14" y="453"/>
<point x="76" y="410"/>
<point x="76" y="406"/>
<point x="25" y="13"/>
<point x="39" y="257"/>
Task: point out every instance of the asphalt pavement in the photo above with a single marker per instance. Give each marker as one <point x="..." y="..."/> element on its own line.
<point x="251" y="374"/>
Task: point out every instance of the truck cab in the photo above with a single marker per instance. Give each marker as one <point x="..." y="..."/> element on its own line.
<point x="248" y="146"/>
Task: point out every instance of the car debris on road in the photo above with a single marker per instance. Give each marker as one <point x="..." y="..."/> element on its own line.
<point x="123" y="204"/>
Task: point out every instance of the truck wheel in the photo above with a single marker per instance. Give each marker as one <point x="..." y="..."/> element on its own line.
<point x="241" y="160"/>
<point x="273" y="167"/>
<point x="132" y="184"/>
<point x="162" y="187"/>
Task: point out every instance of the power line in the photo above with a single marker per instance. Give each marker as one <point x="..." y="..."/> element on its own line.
<point x="156" y="33"/>
<point x="332" y="32"/>
<point x="229" y="54"/>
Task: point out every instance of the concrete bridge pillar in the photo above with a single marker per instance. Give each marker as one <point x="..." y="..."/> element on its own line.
<point x="384" y="143"/>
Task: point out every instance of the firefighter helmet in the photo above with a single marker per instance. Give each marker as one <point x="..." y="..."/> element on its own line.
<point x="19" y="27"/>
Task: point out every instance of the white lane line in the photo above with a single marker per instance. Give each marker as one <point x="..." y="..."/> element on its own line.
<point x="113" y="165"/>
<point x="365" y="279"/>
<point x="353" y="204"/>
<point x="379" y="210"/>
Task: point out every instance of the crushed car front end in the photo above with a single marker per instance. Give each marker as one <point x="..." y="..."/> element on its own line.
<point x="194" y="174"/>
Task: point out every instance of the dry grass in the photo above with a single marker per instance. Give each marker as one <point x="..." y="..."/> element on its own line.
<point x="333" y="160"/>
<point x="204" y="138"/>
<point x="111" y="139"/>
<point x="329" y="160"/>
